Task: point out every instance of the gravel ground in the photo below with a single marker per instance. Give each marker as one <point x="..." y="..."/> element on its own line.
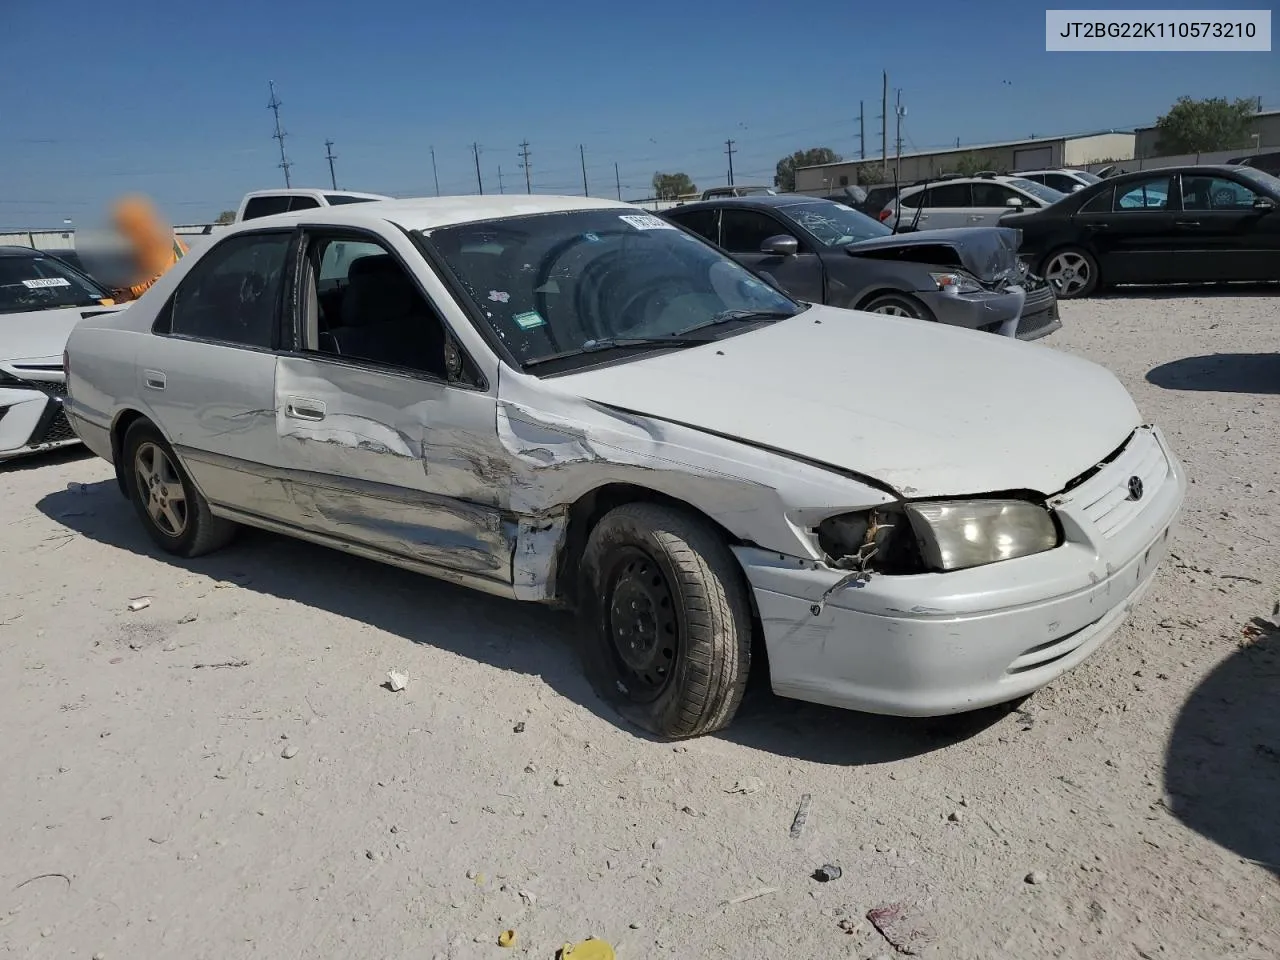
<point x="223" y="775"/>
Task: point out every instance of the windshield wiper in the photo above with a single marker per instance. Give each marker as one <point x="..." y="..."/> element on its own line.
<point x="611" y="343"/>
<point x="729" y="315"/>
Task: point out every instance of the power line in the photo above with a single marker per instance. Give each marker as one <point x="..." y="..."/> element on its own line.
<point x="524" y="162"/>
<point x="274" y="107"/>
<point x="328" y="155"/>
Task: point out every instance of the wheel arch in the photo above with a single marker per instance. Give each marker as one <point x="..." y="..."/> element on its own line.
<point x="587" y="511"/>
<point x="124" y="419"/>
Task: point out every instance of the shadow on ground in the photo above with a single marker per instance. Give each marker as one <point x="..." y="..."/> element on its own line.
<point x="1186" y="291"/>
<point x="1222" y="768"/>
<point x="1220" y="373"/>
<point x="36" y="461"/>
<point x="515" y="636"/>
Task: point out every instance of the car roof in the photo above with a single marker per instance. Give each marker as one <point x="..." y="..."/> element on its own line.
<point x="308" y="191"/>
<point x="427" y="213"/>
<point x="755" y="200"/>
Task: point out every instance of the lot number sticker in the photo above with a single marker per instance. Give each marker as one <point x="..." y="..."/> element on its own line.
<point x="49" y="282"/>
<point x="646" y="221"/>
<point x="529" y="321"/>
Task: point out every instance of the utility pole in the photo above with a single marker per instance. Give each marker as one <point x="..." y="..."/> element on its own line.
<point x="524" y="162"/>
<point x="583" y="157"/>
<point x="501" y="188"/>
<point x="434" y="174"/>
<point x="617" y="180"/>
<point x="884" y="123"/>
<point x="274" y="107"/>
<point x="897" y="135"/>
<point x="475" y="149"/>
<point x="728" y="148"/>
<point x="862" y="130"/>
<point x="328" y="155"/>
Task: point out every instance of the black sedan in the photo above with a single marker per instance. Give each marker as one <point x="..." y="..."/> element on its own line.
<point x="824" y="252"/>
<point x="1195" y="224"/>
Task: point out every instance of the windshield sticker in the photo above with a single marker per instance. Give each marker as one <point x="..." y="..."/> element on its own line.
<point x="499" y="296"/>
<point x="47" y="282"/>
<point x="529" y="321"/>
<point x="646" y="221"/>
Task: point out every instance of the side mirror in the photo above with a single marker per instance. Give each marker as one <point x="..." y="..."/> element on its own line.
<point x="1078" y="186"/>
<point x="1014" y="203"/>
<point x="1263" y="203"/>
<point x="781" y="246"/>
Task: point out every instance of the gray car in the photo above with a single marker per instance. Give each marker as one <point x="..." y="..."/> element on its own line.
<point x="824" y="252"/>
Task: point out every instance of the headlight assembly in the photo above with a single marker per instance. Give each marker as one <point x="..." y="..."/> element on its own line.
<point x="956" y="283"/>
<point x="957" y="534"/>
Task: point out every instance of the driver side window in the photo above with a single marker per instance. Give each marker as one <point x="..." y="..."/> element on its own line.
<point x="744" y="231"/>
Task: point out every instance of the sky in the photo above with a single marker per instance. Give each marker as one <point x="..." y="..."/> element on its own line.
<point x="170" y="98"/>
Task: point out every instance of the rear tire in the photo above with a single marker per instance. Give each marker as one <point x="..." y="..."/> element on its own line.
<point x="899" y="305"/>
<point x="174" y="513"/>
<point x="665" y="620"/>
<point x="1073" y="272"/>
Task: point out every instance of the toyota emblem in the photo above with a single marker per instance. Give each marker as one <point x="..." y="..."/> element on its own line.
<point x="1135" y="488"/>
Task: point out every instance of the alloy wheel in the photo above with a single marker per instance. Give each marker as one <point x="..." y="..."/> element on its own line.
<point x="160" y="485"/>
<point x="1069" y="273"/>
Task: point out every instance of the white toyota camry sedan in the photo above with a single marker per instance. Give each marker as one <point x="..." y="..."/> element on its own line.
<point x="571" y="401"/>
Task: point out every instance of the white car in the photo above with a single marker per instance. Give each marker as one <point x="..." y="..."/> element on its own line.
<point x="965" y="202"/>
<point x="1064" y="179"/>
<point x="567" y="400"/>
<point x="41" y="299"/>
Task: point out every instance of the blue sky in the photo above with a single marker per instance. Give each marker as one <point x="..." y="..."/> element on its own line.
<point x="170" y="98"/>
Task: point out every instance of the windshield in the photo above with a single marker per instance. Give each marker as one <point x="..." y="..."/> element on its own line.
<point x="833" y="224"/>
<point x="43" y="283"/>
<point x="1086" y="176"/>
<point x="1037" y="190"/>
<point x="1260" y="177"/>
<point x="550" y="283"/>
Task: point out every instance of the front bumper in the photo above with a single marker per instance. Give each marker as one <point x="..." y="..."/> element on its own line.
<point x="1040" y="312"/>
<point x="941" y="643"/>
<point x="32" y="419"/>
<point x="989" y="312"/>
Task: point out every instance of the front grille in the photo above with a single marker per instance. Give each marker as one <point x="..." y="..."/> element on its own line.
<point x="1033" y="323"/>
<point x="1111" y="506"/>
<point x="58" y="431"/>
<point x="47" y="387"/>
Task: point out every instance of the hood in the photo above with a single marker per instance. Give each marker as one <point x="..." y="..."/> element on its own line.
<point x="41" y="334"/>
<point x="989" y="253"/>
<point x="927" y="409"/>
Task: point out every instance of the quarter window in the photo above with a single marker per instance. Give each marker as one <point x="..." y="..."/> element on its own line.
<point x="233" y="293"/>
<point x="303" y="203"/>
<point x="1100" y="202"/>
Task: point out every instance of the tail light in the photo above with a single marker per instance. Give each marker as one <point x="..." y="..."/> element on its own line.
<point x="885" y="214"/>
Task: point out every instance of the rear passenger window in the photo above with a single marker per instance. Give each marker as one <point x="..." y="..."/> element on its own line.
<point x="950" y="195"/>
<point x="1151" y="193"/>
<point x="233" y="293"/>
<point x="265" y="207"/>
<point x="702" y="222"/>
<point x="303" y="203"/>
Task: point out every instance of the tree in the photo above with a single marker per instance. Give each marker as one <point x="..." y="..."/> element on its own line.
<point x="225" y="217"/>
<point x="1202" y="126"/>
<point x="968" y="164"/>
<point x="870" y="174"/>
<point x="787" y="166"/>
<point x="670" y="186"/>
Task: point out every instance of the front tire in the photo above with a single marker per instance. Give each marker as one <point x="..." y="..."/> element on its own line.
<point x="666" y="622"/>
<point x="174" y="513"/>
<point x="899" y="305"/>
<point x="1073" y="271"/>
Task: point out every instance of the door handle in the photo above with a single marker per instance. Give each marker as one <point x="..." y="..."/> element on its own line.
<point x="154" y="379"/>
<point x="1094" y="227"/>
<point x="924" y="216"/>
<point x="1186" y="223"/>
<point x="300" y="408"/>
<point x="976" y="219"/>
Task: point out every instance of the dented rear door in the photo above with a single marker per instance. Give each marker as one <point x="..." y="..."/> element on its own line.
<point x="407" y="465"/>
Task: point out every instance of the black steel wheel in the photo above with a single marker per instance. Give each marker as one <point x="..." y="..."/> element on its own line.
<point x="666" y="619"/>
